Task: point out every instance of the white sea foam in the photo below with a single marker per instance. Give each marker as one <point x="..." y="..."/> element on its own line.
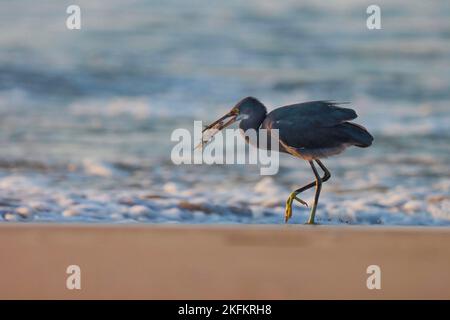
<point x="39" y="199"/>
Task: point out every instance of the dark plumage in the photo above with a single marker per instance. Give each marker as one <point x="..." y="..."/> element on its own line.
<point x="309" y="130"/>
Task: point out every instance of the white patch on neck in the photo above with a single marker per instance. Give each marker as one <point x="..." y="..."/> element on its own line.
<point x="242" y="117"/>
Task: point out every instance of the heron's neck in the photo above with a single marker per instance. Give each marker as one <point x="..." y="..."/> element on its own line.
<point x="252" y="122"/>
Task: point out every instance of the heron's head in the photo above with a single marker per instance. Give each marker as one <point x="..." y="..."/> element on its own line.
<point x="246" y="108"/>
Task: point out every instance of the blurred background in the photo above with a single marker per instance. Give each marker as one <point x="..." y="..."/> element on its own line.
<point x="86" y="115"/>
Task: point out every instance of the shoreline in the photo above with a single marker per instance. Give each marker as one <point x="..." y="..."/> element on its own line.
<point x="223" y="261"/>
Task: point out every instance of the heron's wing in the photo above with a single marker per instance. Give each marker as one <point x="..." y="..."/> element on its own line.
<point x="311" y="125"/>
<point x="313" y="113"/>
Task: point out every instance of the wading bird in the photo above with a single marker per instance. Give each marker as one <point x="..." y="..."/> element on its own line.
<point x="310" y="131"/>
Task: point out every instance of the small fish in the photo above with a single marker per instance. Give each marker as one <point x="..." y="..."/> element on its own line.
<point x="212" y="129"/>
<point x="207" y="136"/>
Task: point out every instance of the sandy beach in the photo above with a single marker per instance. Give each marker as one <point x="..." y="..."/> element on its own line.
<point x="223" y="262"/>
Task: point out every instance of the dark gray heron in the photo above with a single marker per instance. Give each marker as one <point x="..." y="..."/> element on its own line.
<point x="309" y="130"/>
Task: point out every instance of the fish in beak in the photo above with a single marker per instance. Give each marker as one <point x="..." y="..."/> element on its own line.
<point x="218" y="125"/>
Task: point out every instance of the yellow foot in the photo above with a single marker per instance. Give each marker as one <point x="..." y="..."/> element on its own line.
<point x="288" y="211"/>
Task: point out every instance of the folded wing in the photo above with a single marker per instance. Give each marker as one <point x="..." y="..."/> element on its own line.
<point x="317" y="126"/>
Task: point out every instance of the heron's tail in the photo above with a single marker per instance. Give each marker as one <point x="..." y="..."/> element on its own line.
<point x="359" y="135"/>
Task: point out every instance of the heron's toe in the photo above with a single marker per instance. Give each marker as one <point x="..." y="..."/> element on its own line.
<point x="287" y="214"/>
<point x="301" y="201"/>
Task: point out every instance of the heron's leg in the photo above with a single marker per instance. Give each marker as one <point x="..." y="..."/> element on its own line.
<point x="327" y="174"/>
<point x="326" y="177"/>
<point x="294" y="194"/>
<point x="304" y="188"/>
<point x="317" y="194"/>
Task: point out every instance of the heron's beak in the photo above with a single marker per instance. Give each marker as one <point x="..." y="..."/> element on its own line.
<point x="221" y="123"/>
<point x="218" y="125"/>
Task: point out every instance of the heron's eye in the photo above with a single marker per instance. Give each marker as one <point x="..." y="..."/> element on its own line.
<point x="235" y="110"/>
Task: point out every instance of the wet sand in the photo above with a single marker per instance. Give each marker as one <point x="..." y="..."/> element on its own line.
<point x="223" y="262"/>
